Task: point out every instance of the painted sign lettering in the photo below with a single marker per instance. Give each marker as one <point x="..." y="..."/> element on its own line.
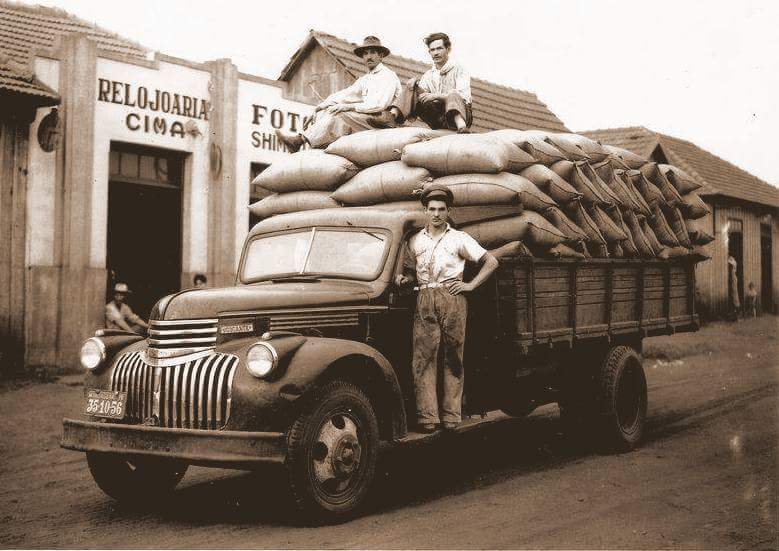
<point x="277" y="118"/>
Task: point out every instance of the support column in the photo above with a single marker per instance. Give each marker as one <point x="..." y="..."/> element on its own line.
<point x="222" y="183"/>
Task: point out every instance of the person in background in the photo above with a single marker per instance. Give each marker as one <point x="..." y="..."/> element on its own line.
<point x="362" y="106"/>
<point x="735" y="302"/>
<point x="442" y="95"/>
<point x="751" y="300"/>
<point x="436" y="255"/>
<point x="118" y="315"/>
<point x="200" y="281"/>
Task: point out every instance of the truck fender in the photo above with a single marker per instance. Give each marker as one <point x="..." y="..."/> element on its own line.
<point x="323" y="359"/>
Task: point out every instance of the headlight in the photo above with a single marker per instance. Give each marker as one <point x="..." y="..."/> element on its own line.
<point x="261" y="359"/>
<point x="92" y="353"/>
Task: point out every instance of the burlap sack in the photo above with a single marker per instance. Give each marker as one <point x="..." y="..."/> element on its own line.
<point x="628" y="158"/>
<point x="698" y="232"/>
<point x="571" y="150"/>
<point x="610" y="196"/>
<point x="657" y="177"/>
<point x="650" y="235"/>
<point x="280" y="203"/>
<point x="676" y="221"/>
<point x="594" y="150"/>
<point x="529" y="227"/>
<point x="457" y="154"/>
<point x="650" y="192"/>
<point x="373" y="147"/>
<point x="693" y="207"/>
<point x="673" y="252"/>
<point x="518" y="159"/>
<point x="550" y="183"/>
<point x="663" y="231"/>
<point x="616" y="251"/>
<point x="577" y="213"/>
<point x="310" y="170"/>
<point x="544" y="153"/>
<point x="642" y="243"/>
<point x="482" y="189"/>
<point x="622" y="176"/>
<point x="560" y="221"/>
<point x="683" y="182"/>
<point x="511" y="250"/>
<point x="563" y="251"/>
<point x="571" y="172"/>
<point x="617" y="185"/>
<point x="608" y="228"/>
<point x="383" y="183"/>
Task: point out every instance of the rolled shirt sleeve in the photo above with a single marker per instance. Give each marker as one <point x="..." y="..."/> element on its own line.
<point x="470" y="249"/>
<point x="462" y="83"/>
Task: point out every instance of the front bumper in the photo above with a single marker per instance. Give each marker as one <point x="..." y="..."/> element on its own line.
<point x="229" y="449"/>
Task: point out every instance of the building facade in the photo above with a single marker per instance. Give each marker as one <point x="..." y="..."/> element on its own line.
<point x="744" y="218"/>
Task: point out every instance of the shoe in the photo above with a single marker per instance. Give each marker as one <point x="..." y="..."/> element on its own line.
<point x="450" y="425"/>
<point x="293" y="141"/>
<point x="464" y="130"/>
<point x="385" y="119"/>
<point x="426" y="428"/>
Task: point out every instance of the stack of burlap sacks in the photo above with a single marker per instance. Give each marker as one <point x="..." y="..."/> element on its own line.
<point x="580" y="198"/>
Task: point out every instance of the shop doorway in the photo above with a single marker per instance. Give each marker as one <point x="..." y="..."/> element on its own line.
<point x="144" y="224"/>
<point x="766" y="272"/>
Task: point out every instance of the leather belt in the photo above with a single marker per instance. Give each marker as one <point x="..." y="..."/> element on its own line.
<point x="433" y="285"/>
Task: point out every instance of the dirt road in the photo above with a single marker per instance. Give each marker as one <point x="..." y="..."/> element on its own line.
<point x="706" y="476"/>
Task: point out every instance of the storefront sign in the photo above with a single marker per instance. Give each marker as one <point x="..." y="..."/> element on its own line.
<point x="277" y="118"/>
<point x="148" y="102"/>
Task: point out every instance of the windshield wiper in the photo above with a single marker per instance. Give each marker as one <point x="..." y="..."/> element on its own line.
<point x="363" y="230"/>
<point x="296" y="279"/>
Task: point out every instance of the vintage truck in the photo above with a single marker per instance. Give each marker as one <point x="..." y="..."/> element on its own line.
<point x="306" y="360"/>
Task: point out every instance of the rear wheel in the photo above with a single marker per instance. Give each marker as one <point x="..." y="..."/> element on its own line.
<point x="622" y="400"/>
<point x="332" y="449"/>
<point x="135" y="479"/>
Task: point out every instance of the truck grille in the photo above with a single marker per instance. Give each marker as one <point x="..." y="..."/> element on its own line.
<point x="173" y="338"/>
<point x="192" y="395"/>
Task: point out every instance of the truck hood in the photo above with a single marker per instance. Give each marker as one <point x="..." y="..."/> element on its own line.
<point x="210" y="303"/>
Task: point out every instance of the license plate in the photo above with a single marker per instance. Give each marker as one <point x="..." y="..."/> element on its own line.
<point x="105" y="403"/>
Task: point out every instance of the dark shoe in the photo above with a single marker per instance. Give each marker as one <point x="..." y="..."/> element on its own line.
<point x="293" y="141"/>
<point x="450" y="425"/>
<point x="464" y="130"/>
<point x="385" y="119"/>
<point x="426" y="428"/>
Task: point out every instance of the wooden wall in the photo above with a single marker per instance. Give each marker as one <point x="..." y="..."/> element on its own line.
<point x="13" y="194"/>
<point x="712" y="275"/>
<point x="321" y="70"/>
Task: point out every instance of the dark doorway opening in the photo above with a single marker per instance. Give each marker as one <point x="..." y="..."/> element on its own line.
<point x="256" y="193"/>
<point x="736" y="250"/>
<point x="766" y="272"/>
<point x="144" y="224"/>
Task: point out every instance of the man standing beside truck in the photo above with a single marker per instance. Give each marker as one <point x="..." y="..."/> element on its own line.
<point x="437" y="254"/>
<point x="362" y="106"/>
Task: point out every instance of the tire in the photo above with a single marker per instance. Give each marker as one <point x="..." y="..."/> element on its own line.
<point x="622" y="399"/>
<point x="332" y="448"/>
<point x="135" y="479"/>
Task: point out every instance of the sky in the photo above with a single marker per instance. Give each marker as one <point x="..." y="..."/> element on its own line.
<point x="707" y="72"/>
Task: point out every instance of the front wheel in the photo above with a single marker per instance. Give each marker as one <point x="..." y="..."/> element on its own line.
<point x="332" y="448"/>
<point x="135" y="479"/>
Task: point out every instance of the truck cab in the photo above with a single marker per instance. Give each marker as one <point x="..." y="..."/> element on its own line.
<point x="306" y="360"/>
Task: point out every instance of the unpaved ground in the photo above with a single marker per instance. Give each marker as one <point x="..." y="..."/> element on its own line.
<point x="705" y="478"/>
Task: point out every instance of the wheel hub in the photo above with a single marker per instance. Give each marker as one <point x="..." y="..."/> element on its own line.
<point x="337" y="450"/>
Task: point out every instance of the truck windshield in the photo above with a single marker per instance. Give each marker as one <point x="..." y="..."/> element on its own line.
<point x="349" y="253"/>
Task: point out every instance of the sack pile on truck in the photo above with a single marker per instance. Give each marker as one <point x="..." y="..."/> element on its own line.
<point x="573" y="196"/>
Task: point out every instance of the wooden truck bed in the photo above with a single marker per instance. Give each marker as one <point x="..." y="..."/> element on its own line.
<point x="546" y="301"/>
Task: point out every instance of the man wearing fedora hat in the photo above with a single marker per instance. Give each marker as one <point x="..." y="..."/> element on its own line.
<point x="118" y="315"/>
<point x="436" y="255"/>
<point x="361" y="106"/>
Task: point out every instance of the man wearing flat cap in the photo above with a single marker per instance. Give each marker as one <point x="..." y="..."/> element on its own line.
<point x="362" y="106"/>
<point x="436" y="255"/>
<point x="118" y="315"/>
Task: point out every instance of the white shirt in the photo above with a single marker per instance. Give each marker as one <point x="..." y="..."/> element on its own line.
<point x="452" y="76"/>
<point x="439" y="259"/>
<point x="371" y="93"/>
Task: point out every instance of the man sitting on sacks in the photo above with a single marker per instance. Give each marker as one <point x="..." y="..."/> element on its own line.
<point x="436" y="255"/>
<point x="442" y="96"/>
<point x="361" y="106"/>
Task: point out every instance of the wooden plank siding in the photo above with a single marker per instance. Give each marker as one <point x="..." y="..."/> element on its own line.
<point x="712" y="276"/>
<point x="13" y="193"/>
<point x="320" y="70"/>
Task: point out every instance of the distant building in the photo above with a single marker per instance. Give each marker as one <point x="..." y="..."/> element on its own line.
<point x="149" y="179"/>
<point x="744" y="218"/>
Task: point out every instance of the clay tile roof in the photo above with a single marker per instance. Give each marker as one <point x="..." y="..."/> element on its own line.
<point x="25" y="28"/>
<point x="494" y="106"/>
<point x="718" y="176"/>
<point x="15" y="78"/>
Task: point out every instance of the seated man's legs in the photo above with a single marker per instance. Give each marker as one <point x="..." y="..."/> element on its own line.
<point x="452" y="112"/>
<point x="327" y="128"/>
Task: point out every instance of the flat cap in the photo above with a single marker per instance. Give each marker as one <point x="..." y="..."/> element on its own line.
<point x="437" y="192"/>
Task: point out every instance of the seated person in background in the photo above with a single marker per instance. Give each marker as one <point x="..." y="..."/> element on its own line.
<point x="199" y="281"/>
<point x="119" y="315"/>
<point x="361" y="106"/>
<point x="442" y="96"/>
<point x="751" y="300"/>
